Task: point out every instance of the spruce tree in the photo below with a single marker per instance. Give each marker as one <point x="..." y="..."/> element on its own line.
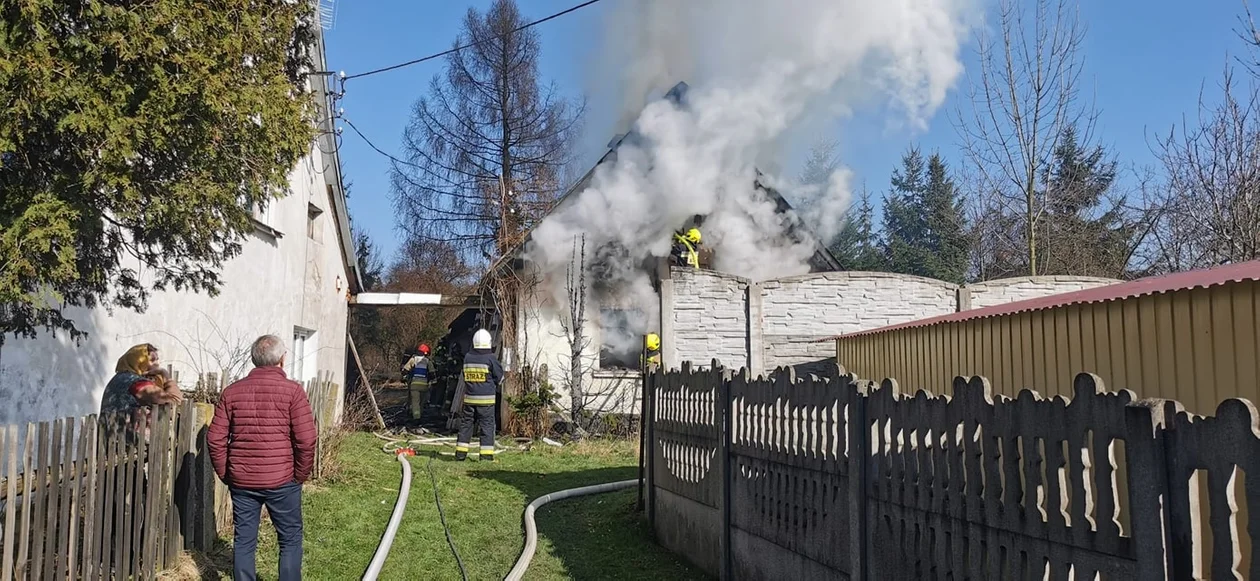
<point x="944" y="244"/>
<point x="856" y="247"/>
<point x="904" y="223"/>
<point x="1086" y="231"/>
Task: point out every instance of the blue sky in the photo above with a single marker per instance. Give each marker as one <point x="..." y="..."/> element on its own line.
<point x="1145" y="63"/>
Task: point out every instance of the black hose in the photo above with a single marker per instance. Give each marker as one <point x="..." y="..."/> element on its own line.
<point x="437" y="498"/>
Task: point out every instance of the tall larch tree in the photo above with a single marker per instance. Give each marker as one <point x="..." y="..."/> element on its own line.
<point x="485" y="150"/>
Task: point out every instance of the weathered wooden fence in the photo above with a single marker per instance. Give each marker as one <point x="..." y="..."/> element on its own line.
<point x="117" y="496"/>
<point x="94" y="497"/>
<point x="835" y="478"/>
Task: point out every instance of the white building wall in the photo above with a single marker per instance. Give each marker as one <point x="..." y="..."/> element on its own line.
<point x="542" y="340"/>
<point x="277" y="283"/>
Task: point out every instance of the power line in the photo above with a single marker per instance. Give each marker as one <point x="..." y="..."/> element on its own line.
<point x="469" y="45"/>
<point x="373" y="145"/>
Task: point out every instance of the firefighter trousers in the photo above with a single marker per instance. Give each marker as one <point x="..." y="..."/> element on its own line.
<point x="483" y="417"/>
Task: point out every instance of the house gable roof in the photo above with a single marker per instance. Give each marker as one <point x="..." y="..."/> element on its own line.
<point x="822" y="259"/>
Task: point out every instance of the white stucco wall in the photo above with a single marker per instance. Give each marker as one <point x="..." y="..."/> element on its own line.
<point x="542" y="340"/>
<point x="278" y="283"/>
<point x="1010" y="290"/>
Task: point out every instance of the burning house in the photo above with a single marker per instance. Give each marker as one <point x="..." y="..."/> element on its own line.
<point x="587" y="280"/>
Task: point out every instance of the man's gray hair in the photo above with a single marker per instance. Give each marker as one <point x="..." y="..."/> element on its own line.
<point x="267" y="351"/>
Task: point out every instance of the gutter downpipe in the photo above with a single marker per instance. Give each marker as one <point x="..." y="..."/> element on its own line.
<point x="382" y="551"/>
<point x="531" y="530"/>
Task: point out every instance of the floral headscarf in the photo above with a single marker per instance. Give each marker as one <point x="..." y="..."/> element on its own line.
<point x="135" y="360"/>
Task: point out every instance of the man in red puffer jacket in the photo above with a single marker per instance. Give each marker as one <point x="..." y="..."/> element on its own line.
<point x="262" y="445"/>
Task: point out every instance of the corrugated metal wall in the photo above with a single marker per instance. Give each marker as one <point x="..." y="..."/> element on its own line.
<point x="1198" y="346"/>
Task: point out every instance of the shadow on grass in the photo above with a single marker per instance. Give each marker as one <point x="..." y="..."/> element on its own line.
<point x="217" y="563"/>
<point x="599" y="536"/>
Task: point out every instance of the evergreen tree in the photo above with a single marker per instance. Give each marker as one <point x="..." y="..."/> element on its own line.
<point x="136" y="139"/>
<point x="925" y="228"/>
<point x="857" y="247"/>
<point x="904" y="223"/>
<point x="821" y="163"/>
<point x="1086" y="232"/>
<point x="944" y="245"/>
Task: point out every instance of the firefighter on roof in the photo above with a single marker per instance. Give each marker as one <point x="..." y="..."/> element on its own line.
<point x="482" y="375"/>
<point x="416" y="371"/>
<point x="686" y="248"/>
<point x="651" y="352"/>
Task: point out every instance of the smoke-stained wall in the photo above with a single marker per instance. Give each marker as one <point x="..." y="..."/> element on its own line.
<point x="780" y="322"/>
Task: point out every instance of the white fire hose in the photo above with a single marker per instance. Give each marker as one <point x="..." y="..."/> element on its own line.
<point x="531" y="530"/>
<point x="382" y="551"/>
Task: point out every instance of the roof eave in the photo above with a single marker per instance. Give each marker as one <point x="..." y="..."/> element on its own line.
<point x="332" y="159"/>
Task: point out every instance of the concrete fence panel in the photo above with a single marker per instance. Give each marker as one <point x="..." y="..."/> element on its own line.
<point x="687" y="463"/>
<point x="830" y="478"/>
<point x="1011" y="290"/>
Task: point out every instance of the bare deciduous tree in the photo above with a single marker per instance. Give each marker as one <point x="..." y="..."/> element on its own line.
<point x="485" y="151"/>
<point x="1025" y="99"/>
<point x="574" y="324"/>
<point x="1211" y="197"/>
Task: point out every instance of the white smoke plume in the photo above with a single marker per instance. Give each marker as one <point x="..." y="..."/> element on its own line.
<point x="759" y="72"/>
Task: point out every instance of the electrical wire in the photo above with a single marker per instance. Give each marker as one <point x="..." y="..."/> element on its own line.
<point x="469" y="45"/>
<point x="437" y="499"/>
<point x="373" y="145"/>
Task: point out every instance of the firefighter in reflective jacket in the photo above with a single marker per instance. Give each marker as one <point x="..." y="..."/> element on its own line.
<point x="481" y="375"/>
<point x="686" y="248"/>
<point x="416" y="370"/>
<point x="651" y="352"/>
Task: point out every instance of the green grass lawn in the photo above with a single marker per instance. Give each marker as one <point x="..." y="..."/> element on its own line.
<point x="595" y="537"/>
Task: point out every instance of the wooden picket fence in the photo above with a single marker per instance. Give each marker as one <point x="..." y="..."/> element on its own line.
<point x="104" y="497"/>
<point x="90" y="498"/>
<point x="322" y="393"/>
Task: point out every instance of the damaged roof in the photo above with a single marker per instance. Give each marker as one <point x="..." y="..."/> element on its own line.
<point x="821" y="261"/>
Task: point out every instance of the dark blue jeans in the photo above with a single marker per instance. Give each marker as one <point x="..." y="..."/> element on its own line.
<point x="284" y="504"/>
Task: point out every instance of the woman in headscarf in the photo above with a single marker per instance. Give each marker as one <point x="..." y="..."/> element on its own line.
<point x="133" y="383"/>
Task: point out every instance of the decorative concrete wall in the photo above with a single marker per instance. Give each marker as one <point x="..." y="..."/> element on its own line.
<point x="1010" y="290"/>
<point x="798" y="311"/>
<point x="710" y="318"/>
<point x="781" y="322"/>
<point x="786" y="479"/>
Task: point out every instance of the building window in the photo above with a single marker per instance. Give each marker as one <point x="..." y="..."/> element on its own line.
<point x="620" y="338"/>
<point x="303" y="363"/>
<point x="265" y="219"/>
<point x="313" y="223"/>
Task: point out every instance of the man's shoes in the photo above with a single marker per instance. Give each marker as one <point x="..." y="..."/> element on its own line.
<point x="487" y="457"/>
<point x="461" y="456"/>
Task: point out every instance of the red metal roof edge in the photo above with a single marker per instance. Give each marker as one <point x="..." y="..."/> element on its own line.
<point x="1205" y="278"/>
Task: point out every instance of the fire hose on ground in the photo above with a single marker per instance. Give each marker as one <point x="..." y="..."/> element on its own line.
<point x="531" y="529"/>
<point x="401" y="448"/>
<point x="382" y="551"/>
